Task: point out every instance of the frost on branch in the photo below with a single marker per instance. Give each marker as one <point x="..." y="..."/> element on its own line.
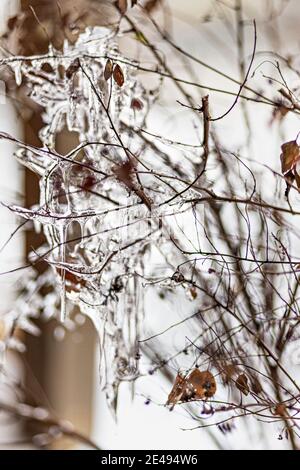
<point x="99" y="203"/>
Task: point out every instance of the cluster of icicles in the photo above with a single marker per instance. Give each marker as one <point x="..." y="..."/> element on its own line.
<point x="99" y="231"/>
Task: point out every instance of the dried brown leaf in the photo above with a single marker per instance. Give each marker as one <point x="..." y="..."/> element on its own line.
<point x="202" y="383"/>
<point x="118" y="75"/>
<point x="177" y="390"/>
<point x="198" y="385"/>
<point x="74" y="66"/>
<point x="290" y="155"/>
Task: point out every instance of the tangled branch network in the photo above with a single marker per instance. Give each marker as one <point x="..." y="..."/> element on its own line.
<point x="130" y="211"/>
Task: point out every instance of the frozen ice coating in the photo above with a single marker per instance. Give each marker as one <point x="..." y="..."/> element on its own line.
<point x="99" y="204"/>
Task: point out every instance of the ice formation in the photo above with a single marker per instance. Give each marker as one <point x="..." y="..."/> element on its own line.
<point x="99" y="203"/>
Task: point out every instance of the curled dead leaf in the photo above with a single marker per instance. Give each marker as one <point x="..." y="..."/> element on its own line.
<point x="198" y="385"/>
<point x="242" y="384"/>
<point x="177" y="391"/>
<point x="290" y="156"/>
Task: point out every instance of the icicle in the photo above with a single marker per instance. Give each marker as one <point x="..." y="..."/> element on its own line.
<point x="62" y="230"/>
<point x="18" y="72"/>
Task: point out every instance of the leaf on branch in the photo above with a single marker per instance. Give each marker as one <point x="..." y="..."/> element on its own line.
<point x="108" y="70"/>
<point x="203" y="384"/>
<point x="118" y="75"/>
<point x="198" y="385"/>
<point x="177" y="391"/>
<point x="290" y="156"/>
<point x="74" y="66"/>
<point x="242" y="384"/>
